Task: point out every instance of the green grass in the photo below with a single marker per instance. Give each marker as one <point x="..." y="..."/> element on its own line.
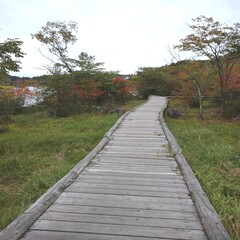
<point x="212" y="149"/>
<point x="36" y="151"/>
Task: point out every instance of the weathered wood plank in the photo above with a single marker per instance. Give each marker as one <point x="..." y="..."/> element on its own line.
<point x="179" y="204"/>
<point x="133" y="182"/>
<point x="137" y="144"/>
<point x="78" y="186"/>
<point x="135" y="155"/>
<point x="60" y="235"/>
<point x="122" y="192"/>
<point x="128" y="212"/>
<point x="120" y="167"/>
<point x="132" y="161"/>
<point x="139" y="139"/>
<point x="132" y="171"/>
<point x="121" y="220"/>
<point x="123" y="230"/>
<point x="141" y="177"/>
<point x="134" y="149"/>
<point x="175" y="207"/>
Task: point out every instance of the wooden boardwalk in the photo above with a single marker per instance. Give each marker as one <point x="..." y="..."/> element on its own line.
<point x="132" y="189"/>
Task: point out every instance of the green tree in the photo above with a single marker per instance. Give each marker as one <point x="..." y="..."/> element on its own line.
<point x="153" y="81"/>
<point x="197" y="73"/>
<point x="87" y="63"/>
<point x="219" y="42"/>
<point x="57" y="36"/>
<point x="10" y="54"/>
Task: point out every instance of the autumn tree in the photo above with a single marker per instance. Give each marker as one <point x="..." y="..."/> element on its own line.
<point x="193" y="76"/>
<point x="198" y="72"/>
<point x="216" y="41"/>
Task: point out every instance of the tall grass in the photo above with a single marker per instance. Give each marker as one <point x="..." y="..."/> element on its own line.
<point x="212" y="149"/>
<point x="36" y="151"/>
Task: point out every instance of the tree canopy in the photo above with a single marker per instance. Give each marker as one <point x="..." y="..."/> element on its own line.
<point x="10" y="54"/>
<point x="57" y="36"/>
<point x="219" y="42"/>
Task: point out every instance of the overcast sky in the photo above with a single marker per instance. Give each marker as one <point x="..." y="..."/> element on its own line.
<point x="124" y="34"/>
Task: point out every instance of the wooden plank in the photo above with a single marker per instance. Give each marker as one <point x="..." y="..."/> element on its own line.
<point x="139" y="132"/>
<point x="133" y="170"/>
<point x="80" y="185"/>
<point x="137" y="144"/>
<point x="121" y="220"/>
<point x="139" y="139"/>
<point x="132" y="161"/>
<point x="129" y="212"/>
<point x="128" y="166"/>
<point x="134" y="149"/>
<point x="128" y="162"/>
<point x="169" y="159"/>
<point x="123" y="230"/>
<point x="145" y="136"/>
<point x="60" y="235"/>
<point x="125" y="201"/>
<point x="127" y="192"/>
<point x="141" y="177"/>
<point x="135" y="164"/>
<point x="105" y="161"/>
<point x="135" y="155"/>
<point x="175" y="207"/>
<point x="113" y="197"/>
<point x="122" y="171"/>
<point x="134" y="182"/>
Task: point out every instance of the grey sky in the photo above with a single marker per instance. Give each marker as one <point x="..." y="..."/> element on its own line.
<point x="124" y="34"/>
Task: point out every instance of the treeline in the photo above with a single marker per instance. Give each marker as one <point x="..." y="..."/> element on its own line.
<point x="79" y="91"/>
<point x="78" y="84"/>
<point x="13" y="80"/>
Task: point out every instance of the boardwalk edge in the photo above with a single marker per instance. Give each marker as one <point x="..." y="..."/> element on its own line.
<point x="22" y="223"/>
<point x="211" y="222"/>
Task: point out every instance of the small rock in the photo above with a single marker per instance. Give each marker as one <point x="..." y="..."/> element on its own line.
<point x="236" y="118"/>
<point x="173" y="113"/>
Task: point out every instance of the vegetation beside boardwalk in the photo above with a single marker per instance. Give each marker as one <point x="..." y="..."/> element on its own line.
<point x="212" y="149"/>
<point x="37" y="150"/>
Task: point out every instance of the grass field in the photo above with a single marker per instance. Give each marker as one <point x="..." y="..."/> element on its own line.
<point x="212" y="148"/>
<point x="36" y="151"/>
